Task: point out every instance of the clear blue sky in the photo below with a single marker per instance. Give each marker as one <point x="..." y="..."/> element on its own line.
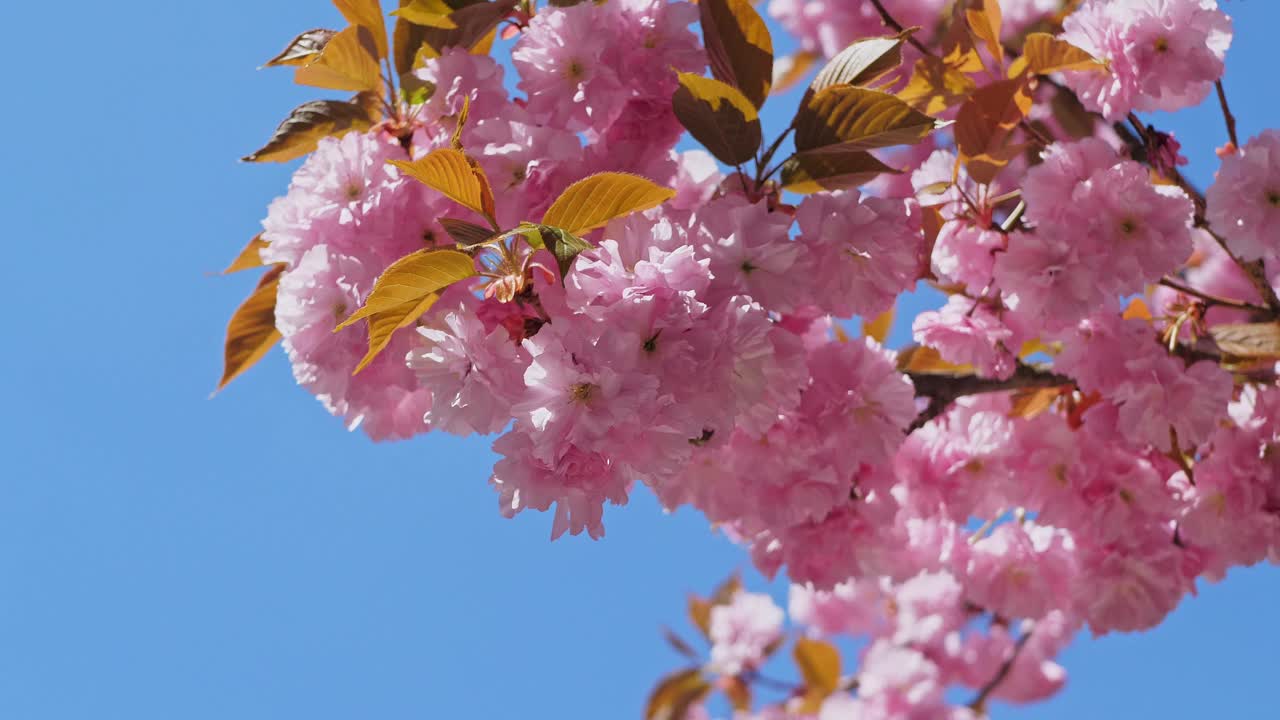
<point x="166" y="556"/>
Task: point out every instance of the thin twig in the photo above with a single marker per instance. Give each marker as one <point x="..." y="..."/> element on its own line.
<point x="1210" y="298"/>
<point x="979" y="702"/>
<point x="891" y="22"/>
<point x="1226" y="114"/>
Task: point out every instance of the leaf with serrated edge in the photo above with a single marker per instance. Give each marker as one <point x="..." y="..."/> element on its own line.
<point x="984" y="18"/>
<point x="383" y="325"/>
<point x="934" y="86"/>
<point x="249" y="257"/>
<point x="366" y="14"/>
<point x="675" y="694"/>
<point x="984" y="122"/>
<point x="816" y="171"/>
<point x="430" y="13"/>
<point x="594" y="201"/>
<point x="450" y="172"/>
<point x="412" y="278"/>
<point x="302" y="49"/>
<point x="475" y="25"/>
<point x="1044" y="54"/>
<point x="852" y="118"/>
<point x="565" y="246"/>
<point x="739" y="47"/>
<point x="252" y="330"/>
<point x="349" y="62"/>
<point x="464" y="233"/>
<point x="863" y="62"/>
<point x="1248" y="340"/>
<point x="720" y="117"/>
<point x="307" y="124"/>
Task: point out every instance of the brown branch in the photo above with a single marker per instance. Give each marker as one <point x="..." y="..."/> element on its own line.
<point x="1253" y="270"/>
<point x="979" y="702"/>
<point x="1210" y="299"/>
<point x="1226" y="114"/>
<point x="889" y="20"/>
<point x="942" y="390"/>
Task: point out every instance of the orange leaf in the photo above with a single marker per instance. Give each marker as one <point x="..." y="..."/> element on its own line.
<point x="348" y="62"/>
<point x="249" y="257"/>
<point x="252" y="330"/>
<point x="366" y="14"/>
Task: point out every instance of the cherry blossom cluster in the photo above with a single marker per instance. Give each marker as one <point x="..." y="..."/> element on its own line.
<point x="1082" y="429"/>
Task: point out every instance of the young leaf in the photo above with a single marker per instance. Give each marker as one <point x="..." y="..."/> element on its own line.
<point x="302" y="49"/>
<point x="718" y="116"/>
<point x="383" y="325"/>
<point x="984" y="123"/>
<point x="675" y="694"/>
<point x="1137" y="308"/>
<point x="924" y="360"/>
<point x="464" y="233"/>
<point x="819" y="665"/>
<point x="738" y="45"/>
<point x="1044" y="54"/>
<point x="852" y="118"/>
<point x="1030" y="402"/>
<point x="597" y="199"/>
<point x="407" y="282"/>
<point x="816" y="171"/>
<point x="453" y="174"/>
<point x="367" y="14"/>
<point x="249" y="257"/>
<point x="565" y="246"/>
<point x="1253" y="341"/>
<point x="935" y="86"/>
<point x="474" y="25"/>
<point x="984" y="18"/>
<point x="252" y="330"/>
<point x="348" y="62"/>
<point x="430" y="13"/>
<point x="307" y="124"/>
<point x="863" y="62"/>
<point x="878" y="327"/>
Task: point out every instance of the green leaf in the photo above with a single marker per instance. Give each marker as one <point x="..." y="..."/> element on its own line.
<point x="595" y="200"/>
<point x="307" y="124"/>
<point x="564" y="245"/>
<point x="720" y="117"/>
<point x="302" y="49"/>
<point x="252" y="330"/>
<point x="849" y="119"/>
<point x="816" y="171"/>
<point x="738" y="46"/>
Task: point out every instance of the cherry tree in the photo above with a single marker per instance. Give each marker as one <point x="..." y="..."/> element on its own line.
<point x="1088" y="423"/>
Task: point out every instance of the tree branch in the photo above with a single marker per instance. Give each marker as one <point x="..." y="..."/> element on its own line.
<point x="942" y="390"/>
<point x="893" y="23"/>
<point x="1226" y="114"/>
<point x="1208" y="298"/>
<point x="979" y="702"/>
